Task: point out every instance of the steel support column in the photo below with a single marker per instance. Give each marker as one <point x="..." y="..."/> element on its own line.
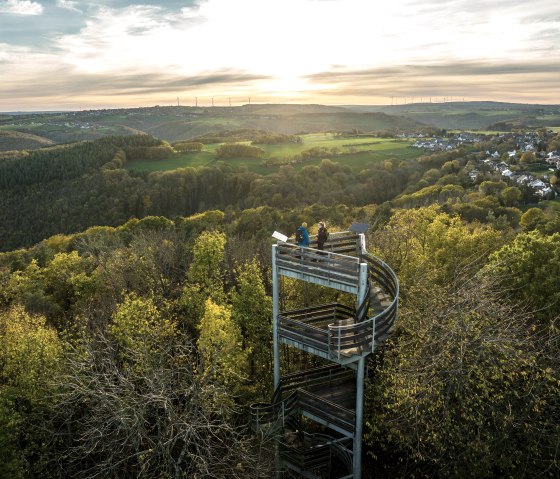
<point x="275" y="307"/>
<point x="357" y="449"/>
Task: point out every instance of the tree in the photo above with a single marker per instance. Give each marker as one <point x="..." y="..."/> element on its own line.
<point x="30" y="358"/>
<point x="252" y="312"/>
<point x="464" y="390"/>
<point x="528" y="157"/>
<point x="204" y="278"/>
<point x="54" y="289"/>
<point x="491" y="188"/>
<point x="188" y="146"/>
<point x="205" y="269"/>
<point x="531" y="219"/>
<point x="528" y="268"/>
<point x="238" y="150"/>
<point x="138" y="330"/>
<point x="511" y="195"/>
<point x="220" y="345"/>
<point x="426" y="245"/>
<point x="149" y="410"/>
<point x="467" y="369"/>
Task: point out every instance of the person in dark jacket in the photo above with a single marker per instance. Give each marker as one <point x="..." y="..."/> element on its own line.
<point x="302" y="235"/>
<point x="322" y="235"/>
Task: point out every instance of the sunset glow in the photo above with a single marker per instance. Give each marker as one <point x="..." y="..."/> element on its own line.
<point x="71" y="55"/>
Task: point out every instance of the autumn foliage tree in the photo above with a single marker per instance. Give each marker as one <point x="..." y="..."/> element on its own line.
<point x="468" y="388"/>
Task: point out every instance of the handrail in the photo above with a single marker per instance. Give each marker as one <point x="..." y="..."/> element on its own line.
<point x="358" y="338"/>
<point x="273" y="415"/>
<point x="342" y="338"/>
<point x="306" y="252"/>
<point x="297" y="385"/>
<point x="316" y="446"/>
<point x="326" y="410"/>
<point x="338" y="242"/>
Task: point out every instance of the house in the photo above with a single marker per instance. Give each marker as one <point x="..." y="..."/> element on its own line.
<point x="473" y="174"/>
<point x="523" y="179"/>
<point x="507" y="173"/>
<point x="546" y="193"/>
<point x="537" y="184"/>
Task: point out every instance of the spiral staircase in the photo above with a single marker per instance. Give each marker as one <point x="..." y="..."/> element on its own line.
<point x="329" y="397"/>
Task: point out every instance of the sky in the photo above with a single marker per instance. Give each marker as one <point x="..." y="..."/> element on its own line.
<point x="75" y="55"/>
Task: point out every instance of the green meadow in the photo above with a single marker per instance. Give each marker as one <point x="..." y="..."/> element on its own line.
<point x="357" y="153"/>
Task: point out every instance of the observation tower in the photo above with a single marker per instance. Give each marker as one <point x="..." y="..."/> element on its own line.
<point x="316" y="414"/>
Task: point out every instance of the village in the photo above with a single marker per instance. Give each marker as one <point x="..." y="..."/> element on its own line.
<point x="520" y="159"/>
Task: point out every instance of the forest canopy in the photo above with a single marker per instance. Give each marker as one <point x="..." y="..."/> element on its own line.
<point x="136" y="310"/>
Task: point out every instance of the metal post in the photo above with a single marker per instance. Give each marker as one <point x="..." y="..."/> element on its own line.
<point x="361" y="244"/>
<point x="275" y="305"/>
<point x="357" y="449"/>
<point x="362" y="285"/>
<point x="276" y="347"/>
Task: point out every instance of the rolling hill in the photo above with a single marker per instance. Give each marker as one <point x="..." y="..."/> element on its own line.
<point x="15" y="140"/>
<point x="184" y="123"/>
<point x="471" y="115"/>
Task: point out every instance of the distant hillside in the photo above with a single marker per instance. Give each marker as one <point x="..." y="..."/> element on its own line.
<point x="176" y="123"/>
<point x="15" y="140"/>
<point x="285" y="109"/>
<point x="185" y="123"/>
<point x="471" y="115"/>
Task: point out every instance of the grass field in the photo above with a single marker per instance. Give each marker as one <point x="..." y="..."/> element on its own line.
<point x="354" y="152"/>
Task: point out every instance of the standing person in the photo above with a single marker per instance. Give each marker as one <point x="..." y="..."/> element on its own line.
<point x="322" y="235"/>
<point x="302" y="235"/>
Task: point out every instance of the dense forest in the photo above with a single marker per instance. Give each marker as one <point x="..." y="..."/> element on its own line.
<point x="135" y="313"/>
<point x="83" y="185"/>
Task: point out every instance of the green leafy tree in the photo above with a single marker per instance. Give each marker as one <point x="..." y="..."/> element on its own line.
<point x="221" y="348"/>
<point x="464" y="390"/>
<point x="206" y="267"/>
<point x="55" y="289"/>
<point x="491" y="188"/>
<point x="532" y="218"/>
<point x="30" y="358"/>
<point x="238" y="150"/>
<point x="204" y="279"/>
<point x="139" y="329"/>
<point x="529" y="268"/>
<point x="252" y="312"/>
<point x="511" y="195"/>
<point x="425" y="244"/>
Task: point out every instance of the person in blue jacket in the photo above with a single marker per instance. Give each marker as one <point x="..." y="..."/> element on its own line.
<point x="302" y="235"/>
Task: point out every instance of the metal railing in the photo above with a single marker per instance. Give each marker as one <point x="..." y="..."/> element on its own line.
<point x="341" y="242"/>
<point x="312" y="451"/>
<point x="350" y="333"/>
<point x="335" y="268"/>
<point x="358" y="338"/>
<point x="295" y="393"/>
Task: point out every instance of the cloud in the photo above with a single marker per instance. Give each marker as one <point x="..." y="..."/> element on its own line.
<point x="121" y="88"/>
<point x="514" y="81"/>
<point x="68" y="5"/>
<point x="21" y="7"/>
